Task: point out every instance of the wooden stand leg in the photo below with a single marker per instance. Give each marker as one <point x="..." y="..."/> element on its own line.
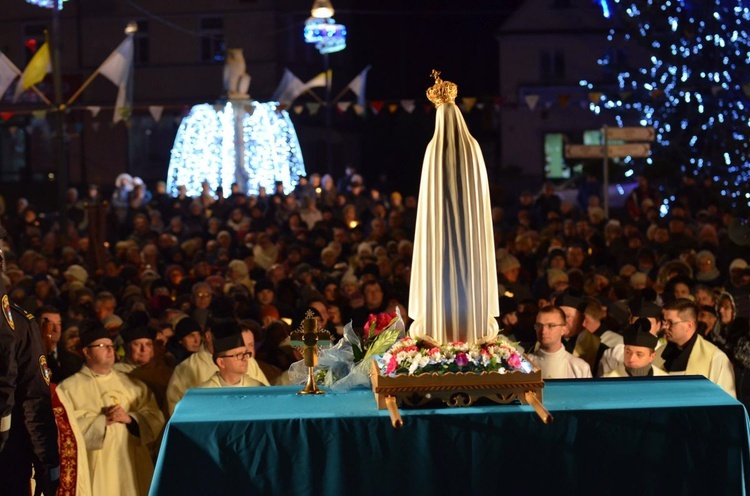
<point x="533" y="400"/>
<point x="396" y="421"/>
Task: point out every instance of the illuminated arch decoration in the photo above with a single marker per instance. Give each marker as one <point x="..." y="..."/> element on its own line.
<point x="205" y="149"/>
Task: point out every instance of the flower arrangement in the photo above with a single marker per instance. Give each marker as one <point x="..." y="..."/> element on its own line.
<point x="417" y="356"/>
<point x="347" y="364"/>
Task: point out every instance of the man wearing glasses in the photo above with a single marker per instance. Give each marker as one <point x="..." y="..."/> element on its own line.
<point x="687" y="353"/>
<point x="232" y="357"/>
<point x="117" y="415"/>
<point x="551" y="357"/>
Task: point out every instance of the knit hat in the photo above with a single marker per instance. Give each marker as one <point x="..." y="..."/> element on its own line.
<point x="508" y="262"/>
<point x="90" y="331"/>
<point x="140" y="332"/>
<point x="238" y="267"/>
<point x="77" y="273"/>
<point x="738" y="264"/>
<point x="112" y="321"/>
<point x="555" y="276"/>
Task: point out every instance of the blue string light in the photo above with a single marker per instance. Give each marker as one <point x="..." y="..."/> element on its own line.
<point x="47" y="4"/>
<point x="694" y="86"/>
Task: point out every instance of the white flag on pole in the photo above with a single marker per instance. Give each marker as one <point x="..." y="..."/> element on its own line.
<point x="289" y="88"/>
<point x="358" y="85"/>
<point x="117" y="66"/>
<point x="8" y="72"/>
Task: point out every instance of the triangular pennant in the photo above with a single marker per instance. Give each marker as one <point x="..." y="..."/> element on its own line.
<point x="94" y="110"/>
<point x="746" y="89"/>
<point x="377" y="106"/>
<point x="392" y="108"/>
<point x="343" y="106"/>
<point x="563" y="100"/>
<point x="39" y="115"/>
<point x="408" y="105"/>
<point x="6" y="116"/>
<point x="531" y="101"/>
<point x="467" y="103"/>
<point x="95" y="126"/>
<point x="312" y="107"/>
<point x="715" y="90"/>
<point x="595" y="97"/>
<point x="358" y="109"/>
<point x="156" y="111"/>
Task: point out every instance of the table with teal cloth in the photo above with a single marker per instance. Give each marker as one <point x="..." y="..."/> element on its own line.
<point x="674" y="435"/>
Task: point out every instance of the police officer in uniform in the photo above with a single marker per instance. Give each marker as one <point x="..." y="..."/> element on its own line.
<point x="28" y="434"/>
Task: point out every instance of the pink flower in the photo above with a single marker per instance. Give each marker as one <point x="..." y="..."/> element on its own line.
<point x="392" y="365"/>
<point x="461" y="359"/>
<point x="514" y="361"/>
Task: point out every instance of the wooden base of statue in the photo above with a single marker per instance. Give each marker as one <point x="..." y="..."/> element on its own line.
<point x="459" y="389"/>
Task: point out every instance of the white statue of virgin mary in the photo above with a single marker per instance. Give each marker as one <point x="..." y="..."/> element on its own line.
<point x="453" y="293"/>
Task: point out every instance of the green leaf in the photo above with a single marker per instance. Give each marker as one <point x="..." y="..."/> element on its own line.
<point x="381" y="344"/>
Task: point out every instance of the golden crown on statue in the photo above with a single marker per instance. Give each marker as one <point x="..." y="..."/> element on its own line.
<point x="442" y="91"/>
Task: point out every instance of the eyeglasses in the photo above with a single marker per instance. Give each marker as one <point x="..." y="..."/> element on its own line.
<point x="670" y="323"/>
<point x="203" y="295"/>
<point x="239" y="356"/>
<point x="102" y="346"/>
<point x="539" y="326"/>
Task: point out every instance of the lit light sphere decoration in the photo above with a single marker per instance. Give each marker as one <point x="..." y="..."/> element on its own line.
<point x="47" y="4"/>
<point x="249" y="143"/>
<point x="327" y="36"/>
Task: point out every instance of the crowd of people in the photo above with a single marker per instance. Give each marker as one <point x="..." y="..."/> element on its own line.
<point x="203" y="292"/>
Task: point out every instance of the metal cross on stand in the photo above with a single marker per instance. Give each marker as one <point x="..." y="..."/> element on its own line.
<point x="307" y="339"/>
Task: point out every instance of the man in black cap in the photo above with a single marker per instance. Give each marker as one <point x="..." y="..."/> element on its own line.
<point x="138" y="342"/>
<point x="614" y="357"/>
<point x="118" y="417"/>
<point x="640" y="351"/>
<point x="28" y="434"/>
<point x="231" y="356"/>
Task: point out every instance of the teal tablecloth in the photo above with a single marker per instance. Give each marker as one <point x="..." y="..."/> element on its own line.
<point x="677" y="435"/>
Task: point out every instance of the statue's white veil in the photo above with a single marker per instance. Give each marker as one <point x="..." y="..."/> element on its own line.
<point x="453" y="293"/>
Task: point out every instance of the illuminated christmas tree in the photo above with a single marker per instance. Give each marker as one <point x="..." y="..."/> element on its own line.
<point x="693" y="89"/>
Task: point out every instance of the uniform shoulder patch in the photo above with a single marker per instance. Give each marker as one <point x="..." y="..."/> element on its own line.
<point x="5" y="303"/>
<point x="46" y="372"/>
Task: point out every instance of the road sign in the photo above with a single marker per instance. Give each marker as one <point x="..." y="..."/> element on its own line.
<point x="631" y="133"/>
<point x="637" y="150"/>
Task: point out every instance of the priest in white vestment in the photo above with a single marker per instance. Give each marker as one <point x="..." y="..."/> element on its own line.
<point x="551" y="356"/>
<point x="687" y="353"/>
<point x="118" y="418"/>
<point x="453" y="291"/>
<point x="200" y="366"/>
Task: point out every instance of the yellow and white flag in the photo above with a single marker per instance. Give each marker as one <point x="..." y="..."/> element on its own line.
<point x="39" y="66"/>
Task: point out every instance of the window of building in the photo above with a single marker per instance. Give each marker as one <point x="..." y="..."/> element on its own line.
<point x="140" y="44"/>
<point x="213" y="46"/>
<point x="552" y="66"/>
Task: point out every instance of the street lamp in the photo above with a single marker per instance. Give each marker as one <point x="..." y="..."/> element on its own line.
<point x="62" y="170"/>
<point x="328" y="37"/>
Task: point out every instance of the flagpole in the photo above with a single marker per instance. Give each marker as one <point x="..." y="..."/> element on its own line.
<point x="82" y="88"/>
<point x="62" y="171"/>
